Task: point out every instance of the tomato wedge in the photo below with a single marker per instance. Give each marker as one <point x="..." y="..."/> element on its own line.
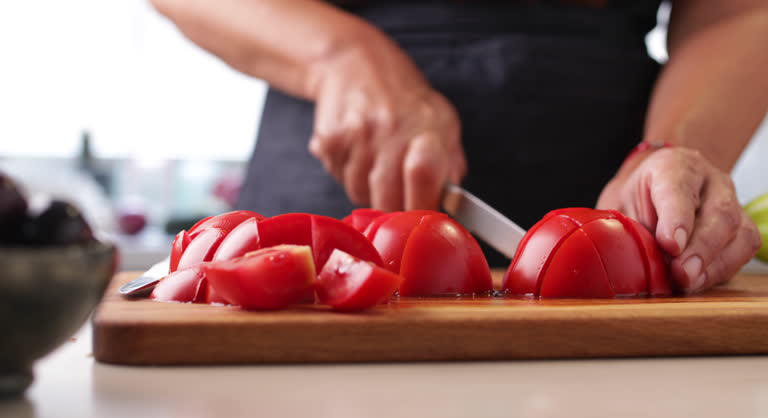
<point x="361" y="218"/>
<point x="225" y="221"/>
<point x="187" y="285"/>
<point x="270" y="278"/>
<point x="241" y="240"/>
<point x="588" y="253"/>
<point x="201" y="248"/>
<point x="434" y="254"/>
<point x="347" y="283"/>
<point x="177" y="248"/>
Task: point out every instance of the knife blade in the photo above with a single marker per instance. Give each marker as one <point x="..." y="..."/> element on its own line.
<point x="486" y="222"/>
<point x="144" y="284"/>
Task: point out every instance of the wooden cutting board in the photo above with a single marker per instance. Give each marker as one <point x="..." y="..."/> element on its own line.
<point x="727" y="320"/>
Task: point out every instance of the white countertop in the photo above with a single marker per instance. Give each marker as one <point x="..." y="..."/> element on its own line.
<point x="70" y="384"/>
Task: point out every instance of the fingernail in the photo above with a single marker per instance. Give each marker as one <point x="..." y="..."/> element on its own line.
<point x="680" y="238"/>
<point x="699" y="282"/>
<point x="692" y="268"/>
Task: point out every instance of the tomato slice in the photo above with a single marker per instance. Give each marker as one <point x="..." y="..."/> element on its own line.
<point x="225" y="221"/>
<point x="373" y="227"/>
<point x="620" y="255"/>
<point x="361" y="218"/>
<point x="202" y="247"/>
<point x="582" y="216"/>
<point x="657" y="267"/>
<point x="347" y="283"/>
<point x="187" y="285"/>
<point x="442" y="258"/>
<point x="576" y="271"/>
<point x="534" y="254"/>
<point x="270" y="278"/>
<point x="290" y="228"/>
<point x="329" y="234"/>
<point x="241" y="240"/>
<point x="177" y="249"/>
<point x="391" y="236"/>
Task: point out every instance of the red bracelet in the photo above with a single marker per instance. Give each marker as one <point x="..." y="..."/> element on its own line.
<point x="647" y="145"/>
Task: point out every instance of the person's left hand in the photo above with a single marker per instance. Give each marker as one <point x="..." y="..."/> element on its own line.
<point x="691" y="207"/>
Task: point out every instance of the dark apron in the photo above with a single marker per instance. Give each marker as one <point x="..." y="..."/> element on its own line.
<point x="551" y="98"/>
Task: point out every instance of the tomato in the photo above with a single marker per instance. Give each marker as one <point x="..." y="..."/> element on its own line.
<point x="225" y="221"/>
<point x="329" y="234"/>
<point x="177" y="248"/>
<point x="361" y="218"/>
<point x="348" y="283"/>
<point x="434" y="254"/>
<point x="241" y="240"/>
<point x="290" y="228"/>
<point x="187" y="285"/>
<point x="587" y="253"/>
<point x="202" y="247"/>
<point x="270" y="278"/>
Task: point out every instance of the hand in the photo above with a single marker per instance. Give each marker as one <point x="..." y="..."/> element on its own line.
<point x="381" y="130"/>
<point x="691" y="207"/>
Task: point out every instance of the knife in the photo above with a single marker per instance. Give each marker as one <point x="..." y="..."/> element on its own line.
<point x="144" y="284"/>
<point x="486" y="222"/>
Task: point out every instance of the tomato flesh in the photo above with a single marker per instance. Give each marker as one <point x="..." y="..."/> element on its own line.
<point x="328" y="234"/>
<point x="187" y="285"/>
<point x="241" y="240"/>
<point x="201" y="248"/>
<point x="270" y="278"/>
<point x="347" y="283"/>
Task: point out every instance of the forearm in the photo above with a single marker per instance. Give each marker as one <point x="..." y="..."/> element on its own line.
<point x="713" y="92"/>
<point x="275" y="40"/>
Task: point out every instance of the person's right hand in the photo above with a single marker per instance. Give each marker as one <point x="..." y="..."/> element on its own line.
<point x="380" y="129"/>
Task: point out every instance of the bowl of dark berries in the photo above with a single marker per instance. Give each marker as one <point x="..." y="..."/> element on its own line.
<point x="53" y="272"/>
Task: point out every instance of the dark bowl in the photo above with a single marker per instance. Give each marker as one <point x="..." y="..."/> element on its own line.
<point x="46" y="294"/>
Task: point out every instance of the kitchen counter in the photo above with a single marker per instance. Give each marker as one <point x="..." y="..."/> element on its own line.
<point x="70" y="384"/>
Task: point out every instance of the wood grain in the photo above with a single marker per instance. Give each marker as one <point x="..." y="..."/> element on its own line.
<point x="726" y="320"/>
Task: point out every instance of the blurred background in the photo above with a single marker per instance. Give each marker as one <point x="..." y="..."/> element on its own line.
<point x="107" y="105"/>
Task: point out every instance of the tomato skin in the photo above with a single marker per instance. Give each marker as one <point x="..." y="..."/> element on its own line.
<point x="587" y="253"/>
<point x="347" y="283"/>
<point x="290" y="228"/>
<point x="373" y="227"/>
<point x="201" y="248"/>
<point x="240" y="241"/>
<point x="361" y="218"/>
<point x="441" y="258"/>
<point x="225" y="221"/>
<point x="271" y="278"/>
<point x="177" y="249"/>
<point x="329" y="234"/>
<point x="187" y="285"/>
<point x="391" y="237"/>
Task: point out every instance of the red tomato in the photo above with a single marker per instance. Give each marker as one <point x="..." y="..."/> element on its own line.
<point x="329" y="234"/>
<point x="291" y="228"/>
<point x="225" y="221"/>
<point x="241" y="240"/>
<point x="177" y="248"/>
<point x="188" y="285"/>
<point x="202" y="247"/>
<point x="434" y="254"/>
<point x="587" y="253"/>
<point x="271" y="278"/>
<point x="361" y="218"/>
<point x="347" y="283"/>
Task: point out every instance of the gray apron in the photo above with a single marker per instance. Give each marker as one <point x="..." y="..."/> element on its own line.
<point x="551" y="98"/>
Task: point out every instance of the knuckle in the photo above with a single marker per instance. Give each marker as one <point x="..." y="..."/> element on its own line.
<point x="420" y="169"/>
<point x="753" y="236"/>
<point x="728" y="213"/>
<point x="384" y="119"/>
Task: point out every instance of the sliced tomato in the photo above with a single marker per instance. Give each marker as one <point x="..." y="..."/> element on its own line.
<point x="361" y="218"/>
<point x="347" y="283"/>
<point x="329" y="234"/>
<point x="576" y="271"/>
<point x="442" y="258"/>
<point x="241" y="240"/>
<point x="391" y="236"/>
<point x="177" y="248"/>
<point x="620" y="255"/>
<point x="225" y="221"/>
<point x="291" y="228"/>
<point x="201" y="248"/>
<point x="656" y="264"/>
<point x="271" y="278"/>
<point x="373" y="227"/>
<point x="187" y="285"/>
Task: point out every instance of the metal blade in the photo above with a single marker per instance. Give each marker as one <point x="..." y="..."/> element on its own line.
<point x="146" y="282"/>
<point x="485" y="221"/>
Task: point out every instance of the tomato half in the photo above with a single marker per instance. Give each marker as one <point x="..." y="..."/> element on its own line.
<point x="270" y="278"/>
<point x="434" y="254"/>
<point x="348" y="283"/>
<point x="587" y="253"/>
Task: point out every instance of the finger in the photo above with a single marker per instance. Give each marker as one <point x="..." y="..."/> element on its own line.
<point x="728" y="261"/>
<point x="332" y="152"/>
<point x="386" y="180"/>
<point x="717" y="223"/>
<point x="356" y="173"/>
<point x="425" y="170"/>
<point x="675" y="201"/>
